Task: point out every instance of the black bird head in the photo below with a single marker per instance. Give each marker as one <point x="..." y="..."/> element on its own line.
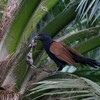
<point x="43" y="37"/>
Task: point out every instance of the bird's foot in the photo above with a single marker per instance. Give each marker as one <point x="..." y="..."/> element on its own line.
<point x="51" y="71"/>
<point x="54" y="71"/>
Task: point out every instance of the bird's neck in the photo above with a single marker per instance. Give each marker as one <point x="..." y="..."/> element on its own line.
<point x="47" y="44"/>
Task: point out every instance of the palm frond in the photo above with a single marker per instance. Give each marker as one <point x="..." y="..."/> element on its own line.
<point x="91" y="74"/>
<point x="64" y="86"/>
<point x="89" y="9"/>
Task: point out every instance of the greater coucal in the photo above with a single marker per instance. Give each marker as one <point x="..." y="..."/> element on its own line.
<point x="62" y="54"/>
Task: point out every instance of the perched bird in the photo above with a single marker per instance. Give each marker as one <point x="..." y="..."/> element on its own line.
<point x="62" y="54"/>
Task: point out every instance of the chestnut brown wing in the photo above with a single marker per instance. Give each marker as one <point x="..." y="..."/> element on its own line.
<point x="72" y="50"/>
<point x="62" y="53"/>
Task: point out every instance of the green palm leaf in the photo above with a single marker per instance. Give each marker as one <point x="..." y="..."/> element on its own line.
<point x="89" y="8"/>
<point x="64" y="86"/>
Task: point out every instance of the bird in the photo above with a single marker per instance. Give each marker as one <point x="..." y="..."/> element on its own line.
<point x="63" y="54"/>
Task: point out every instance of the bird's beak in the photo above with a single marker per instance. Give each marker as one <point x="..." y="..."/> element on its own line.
<point x="37" y="37"/>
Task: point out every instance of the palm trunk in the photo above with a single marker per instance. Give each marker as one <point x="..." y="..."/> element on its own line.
<point x="6" y="95"/>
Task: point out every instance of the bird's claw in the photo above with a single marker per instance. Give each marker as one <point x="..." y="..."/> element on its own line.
<point x="51" y="71"/>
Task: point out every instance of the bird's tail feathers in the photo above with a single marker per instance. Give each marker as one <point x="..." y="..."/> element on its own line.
<point x="90" y="62"/>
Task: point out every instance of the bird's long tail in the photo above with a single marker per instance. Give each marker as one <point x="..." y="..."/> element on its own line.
<point x="90" y="62"/>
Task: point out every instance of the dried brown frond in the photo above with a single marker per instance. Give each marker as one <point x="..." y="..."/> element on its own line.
<point x="7" y="64"/>
<point x="5" y="67"/>
<point x="8" y="95"/>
